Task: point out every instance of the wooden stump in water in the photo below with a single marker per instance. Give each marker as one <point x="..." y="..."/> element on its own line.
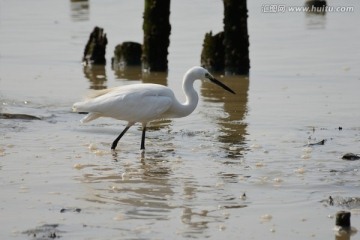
<point x="236" y="38"/>
<point x="95" y="48"/>
<point x="157" y="28"/>
<point x="228" y="51"/>
<point x="127" y="54"/>
<point x="343" y="219"/>
<point x="213" y="55"/>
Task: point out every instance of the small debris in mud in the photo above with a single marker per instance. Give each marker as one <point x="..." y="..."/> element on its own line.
<point x="243" y="197"/>
<point x="18" y="116"/>
<point x="351" y="157"/>
<point x="322" y="142"/>
<point x="64" y="210"/>
<point x="347" y="202"/>
<point x="234" y="206"/>
<point x="46" y="231"/>
<point x="265" y="218"/>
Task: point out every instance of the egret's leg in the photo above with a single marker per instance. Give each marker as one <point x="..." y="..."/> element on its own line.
<point x="143" y="137"/>
<point x="114" y="144"/>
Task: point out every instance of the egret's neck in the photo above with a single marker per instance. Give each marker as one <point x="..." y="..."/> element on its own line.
<point x="192" y="97"/>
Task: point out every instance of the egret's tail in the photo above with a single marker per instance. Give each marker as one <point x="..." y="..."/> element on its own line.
<point x="79" y="107"/>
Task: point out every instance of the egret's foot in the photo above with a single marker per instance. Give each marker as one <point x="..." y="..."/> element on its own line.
<point x="114" y="155"/>
<point x="113" y="146"/>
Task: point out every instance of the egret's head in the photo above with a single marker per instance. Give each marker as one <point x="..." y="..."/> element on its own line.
<point x="203" y="74"/>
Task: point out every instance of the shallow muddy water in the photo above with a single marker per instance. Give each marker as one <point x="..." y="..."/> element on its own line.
<point x="239" y="167"/>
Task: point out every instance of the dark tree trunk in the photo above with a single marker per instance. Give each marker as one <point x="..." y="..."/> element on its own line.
<point x="157" y="28"/>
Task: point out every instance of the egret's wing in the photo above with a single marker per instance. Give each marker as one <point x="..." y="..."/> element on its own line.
<point x="133" y="103"/>
<point x="142" y="106"/>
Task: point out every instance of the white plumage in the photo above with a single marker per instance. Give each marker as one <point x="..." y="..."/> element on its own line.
<point x="144" y="102"/>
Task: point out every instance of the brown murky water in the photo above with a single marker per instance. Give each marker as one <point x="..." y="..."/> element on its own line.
<point x="238" y="167"/>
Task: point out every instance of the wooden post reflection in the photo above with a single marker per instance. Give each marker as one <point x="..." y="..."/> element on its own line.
<point x="232" y="125"/>
<point x="96" y="75"/>
<point x="79" y="10"/>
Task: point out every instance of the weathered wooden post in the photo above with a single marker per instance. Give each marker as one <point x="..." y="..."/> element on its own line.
<point x="127" y="54"/>
<point x="95" y="48"/>
<point x="157" y="28"/>
<point x="213" y="55"/>
<point x="126" y="62"/>
<point x="228" y="51"/>
<point x="236" y="38"/>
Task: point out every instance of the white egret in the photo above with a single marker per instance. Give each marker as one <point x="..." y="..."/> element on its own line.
<point x="144" y="102"/>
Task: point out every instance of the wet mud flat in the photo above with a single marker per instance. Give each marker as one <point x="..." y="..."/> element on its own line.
<point x="70" y="184"/>
<point x="46" y="231"/>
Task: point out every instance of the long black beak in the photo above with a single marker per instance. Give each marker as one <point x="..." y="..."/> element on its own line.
<point x="217" y="82"/>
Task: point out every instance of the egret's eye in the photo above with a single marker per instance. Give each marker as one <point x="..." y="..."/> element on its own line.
<point x="207" y="75"/>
